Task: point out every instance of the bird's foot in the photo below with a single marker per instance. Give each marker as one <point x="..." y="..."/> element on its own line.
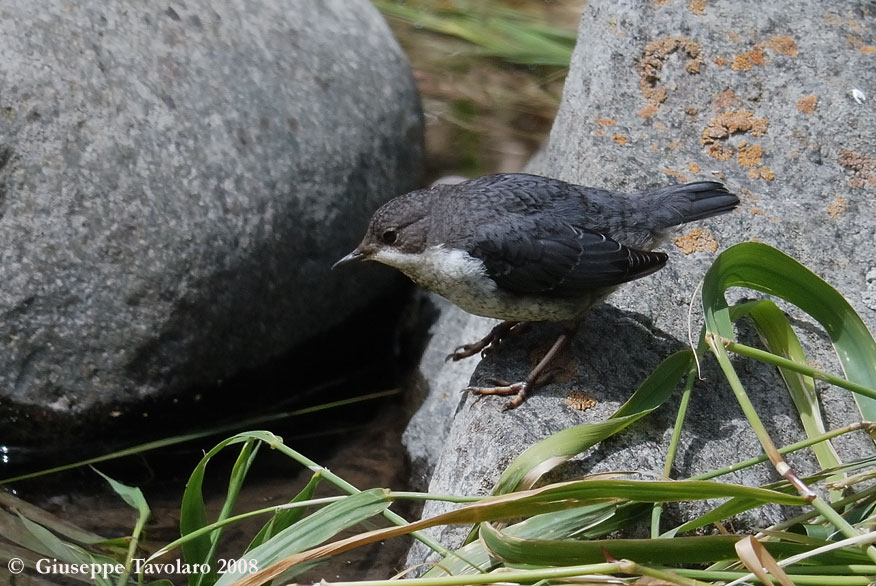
<point x="519" y="390"/>
<point x="539" y="376"/>
<point x="489" y="342"/>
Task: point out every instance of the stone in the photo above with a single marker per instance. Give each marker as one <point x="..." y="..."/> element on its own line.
<point x="693" y="91"/>
<point x="176" y="180"/>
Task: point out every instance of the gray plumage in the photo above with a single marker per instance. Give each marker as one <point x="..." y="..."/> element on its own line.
<point x="528" y="248"/>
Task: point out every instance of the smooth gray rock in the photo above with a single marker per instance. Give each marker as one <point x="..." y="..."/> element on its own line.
<point x="176" y="180"/>
<point x="612" y="131"/>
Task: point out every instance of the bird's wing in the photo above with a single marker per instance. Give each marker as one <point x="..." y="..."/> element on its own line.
<point x="561" y="260"/>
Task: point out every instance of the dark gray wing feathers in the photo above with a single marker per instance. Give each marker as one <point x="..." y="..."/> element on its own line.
<point x="561" y="262"/>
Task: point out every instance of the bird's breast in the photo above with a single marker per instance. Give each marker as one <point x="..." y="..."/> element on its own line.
<point x="463" y="279"/>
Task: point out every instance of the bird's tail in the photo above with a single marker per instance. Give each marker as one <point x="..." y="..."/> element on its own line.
<point x="679" y="204"/>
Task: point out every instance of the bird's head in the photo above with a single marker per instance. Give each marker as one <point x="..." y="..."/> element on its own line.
<point x="397" y="232"/>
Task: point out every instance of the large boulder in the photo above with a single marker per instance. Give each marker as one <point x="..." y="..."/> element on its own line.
<point x="176" y="180"/>
<point x="681" y="91"/>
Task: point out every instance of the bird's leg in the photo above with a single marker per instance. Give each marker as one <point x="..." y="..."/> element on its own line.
<point x="536" y="376"/>
<point x="489" y="342"/>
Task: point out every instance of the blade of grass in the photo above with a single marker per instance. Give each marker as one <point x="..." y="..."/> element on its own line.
<point x="248" y="452"/>
<point x="676" y="551"/>
<point x="763" y="268"/>
<point x="46" y="519"/>
<point x="505" y="35"/>
<point x="68" y="552"/>
<point x="779" y="338"/>
<point x="310" y="531"/>
<point x="286" y="517"/>
<point x="134" y="498"/>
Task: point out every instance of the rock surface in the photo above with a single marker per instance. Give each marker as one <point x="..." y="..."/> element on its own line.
<point x="176" y="180"/>
<point x="661" y="92"/>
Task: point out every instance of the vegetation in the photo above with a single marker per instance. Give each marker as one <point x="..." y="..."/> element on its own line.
<point x="560" y="531"/>
<point x="490" y="75"/>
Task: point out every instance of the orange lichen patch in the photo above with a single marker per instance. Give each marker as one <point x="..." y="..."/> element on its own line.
<point x="605" y="121"/>
<point x="694" y="168"/>
<point x="599" y="132"/>
<point x="620" y="139"/>
<point x="647" y="111"/>
<point x="697" y="6"/>
<point x="726" y="123"/>
<point x="673" y="173"/>
<point x="756" y="212"/>
<point x="868" y="49"/>
<point x="782" y="44"/>
<point x="731" y="121"/>
<point x="726" y="99"/>
<point x="719" y="61"/>
<point x="807" y="104"/>
<point x="863" y="167"/>
<point x="762" y="173"/>
<point x="580" y="401"/>
<point x="746" y="61"/>
<point x="656" y="54"/>
<point x="749" y="155"/>
<point x="697" y="240"/>
<point x="838" y="207"/>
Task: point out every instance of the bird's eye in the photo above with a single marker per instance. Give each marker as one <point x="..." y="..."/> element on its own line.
<point x="389" y="237"/>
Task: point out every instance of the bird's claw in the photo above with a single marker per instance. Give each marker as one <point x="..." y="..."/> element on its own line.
<point x="488" y="344"/>
<point x="503" y="388"/>
<point x="461" y="352"/>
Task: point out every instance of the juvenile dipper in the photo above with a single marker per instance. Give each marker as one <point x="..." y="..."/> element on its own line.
<point x="525" y="248"/>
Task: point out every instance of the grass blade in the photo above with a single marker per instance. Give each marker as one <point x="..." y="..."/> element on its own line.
<point x="135" y="499"/>
<point x="778" y="336"/>
<point x="309" y="532"/>
<point x="286" y="517"/>
<point x="679" y="550"/>
<point x="763" y="268"/>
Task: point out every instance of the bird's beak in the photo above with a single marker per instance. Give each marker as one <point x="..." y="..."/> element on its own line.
<point x="355" y="255"/>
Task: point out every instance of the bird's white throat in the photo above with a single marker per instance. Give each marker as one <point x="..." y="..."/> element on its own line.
<point x="448" y="272"/>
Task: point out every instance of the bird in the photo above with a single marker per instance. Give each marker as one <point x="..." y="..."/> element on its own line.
<point x="526" y="248"/>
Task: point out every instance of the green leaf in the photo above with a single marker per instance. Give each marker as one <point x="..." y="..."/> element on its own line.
<point x="193" y="512"/>
<point x="135" y="499"/>
<point x="310" y="532"/>
<point x="778" y="336"/>
<point x="46" y="519"/>
<point x="284" y="518"/>
<point x="66" y="552"/>
<point x="505" y="34"/>
<point x="763" y="268"/>
<point x="679" y="550"/>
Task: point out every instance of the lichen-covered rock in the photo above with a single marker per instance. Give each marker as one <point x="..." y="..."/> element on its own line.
<point x="681" y="91"/>
<point x="176" y="180"/>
